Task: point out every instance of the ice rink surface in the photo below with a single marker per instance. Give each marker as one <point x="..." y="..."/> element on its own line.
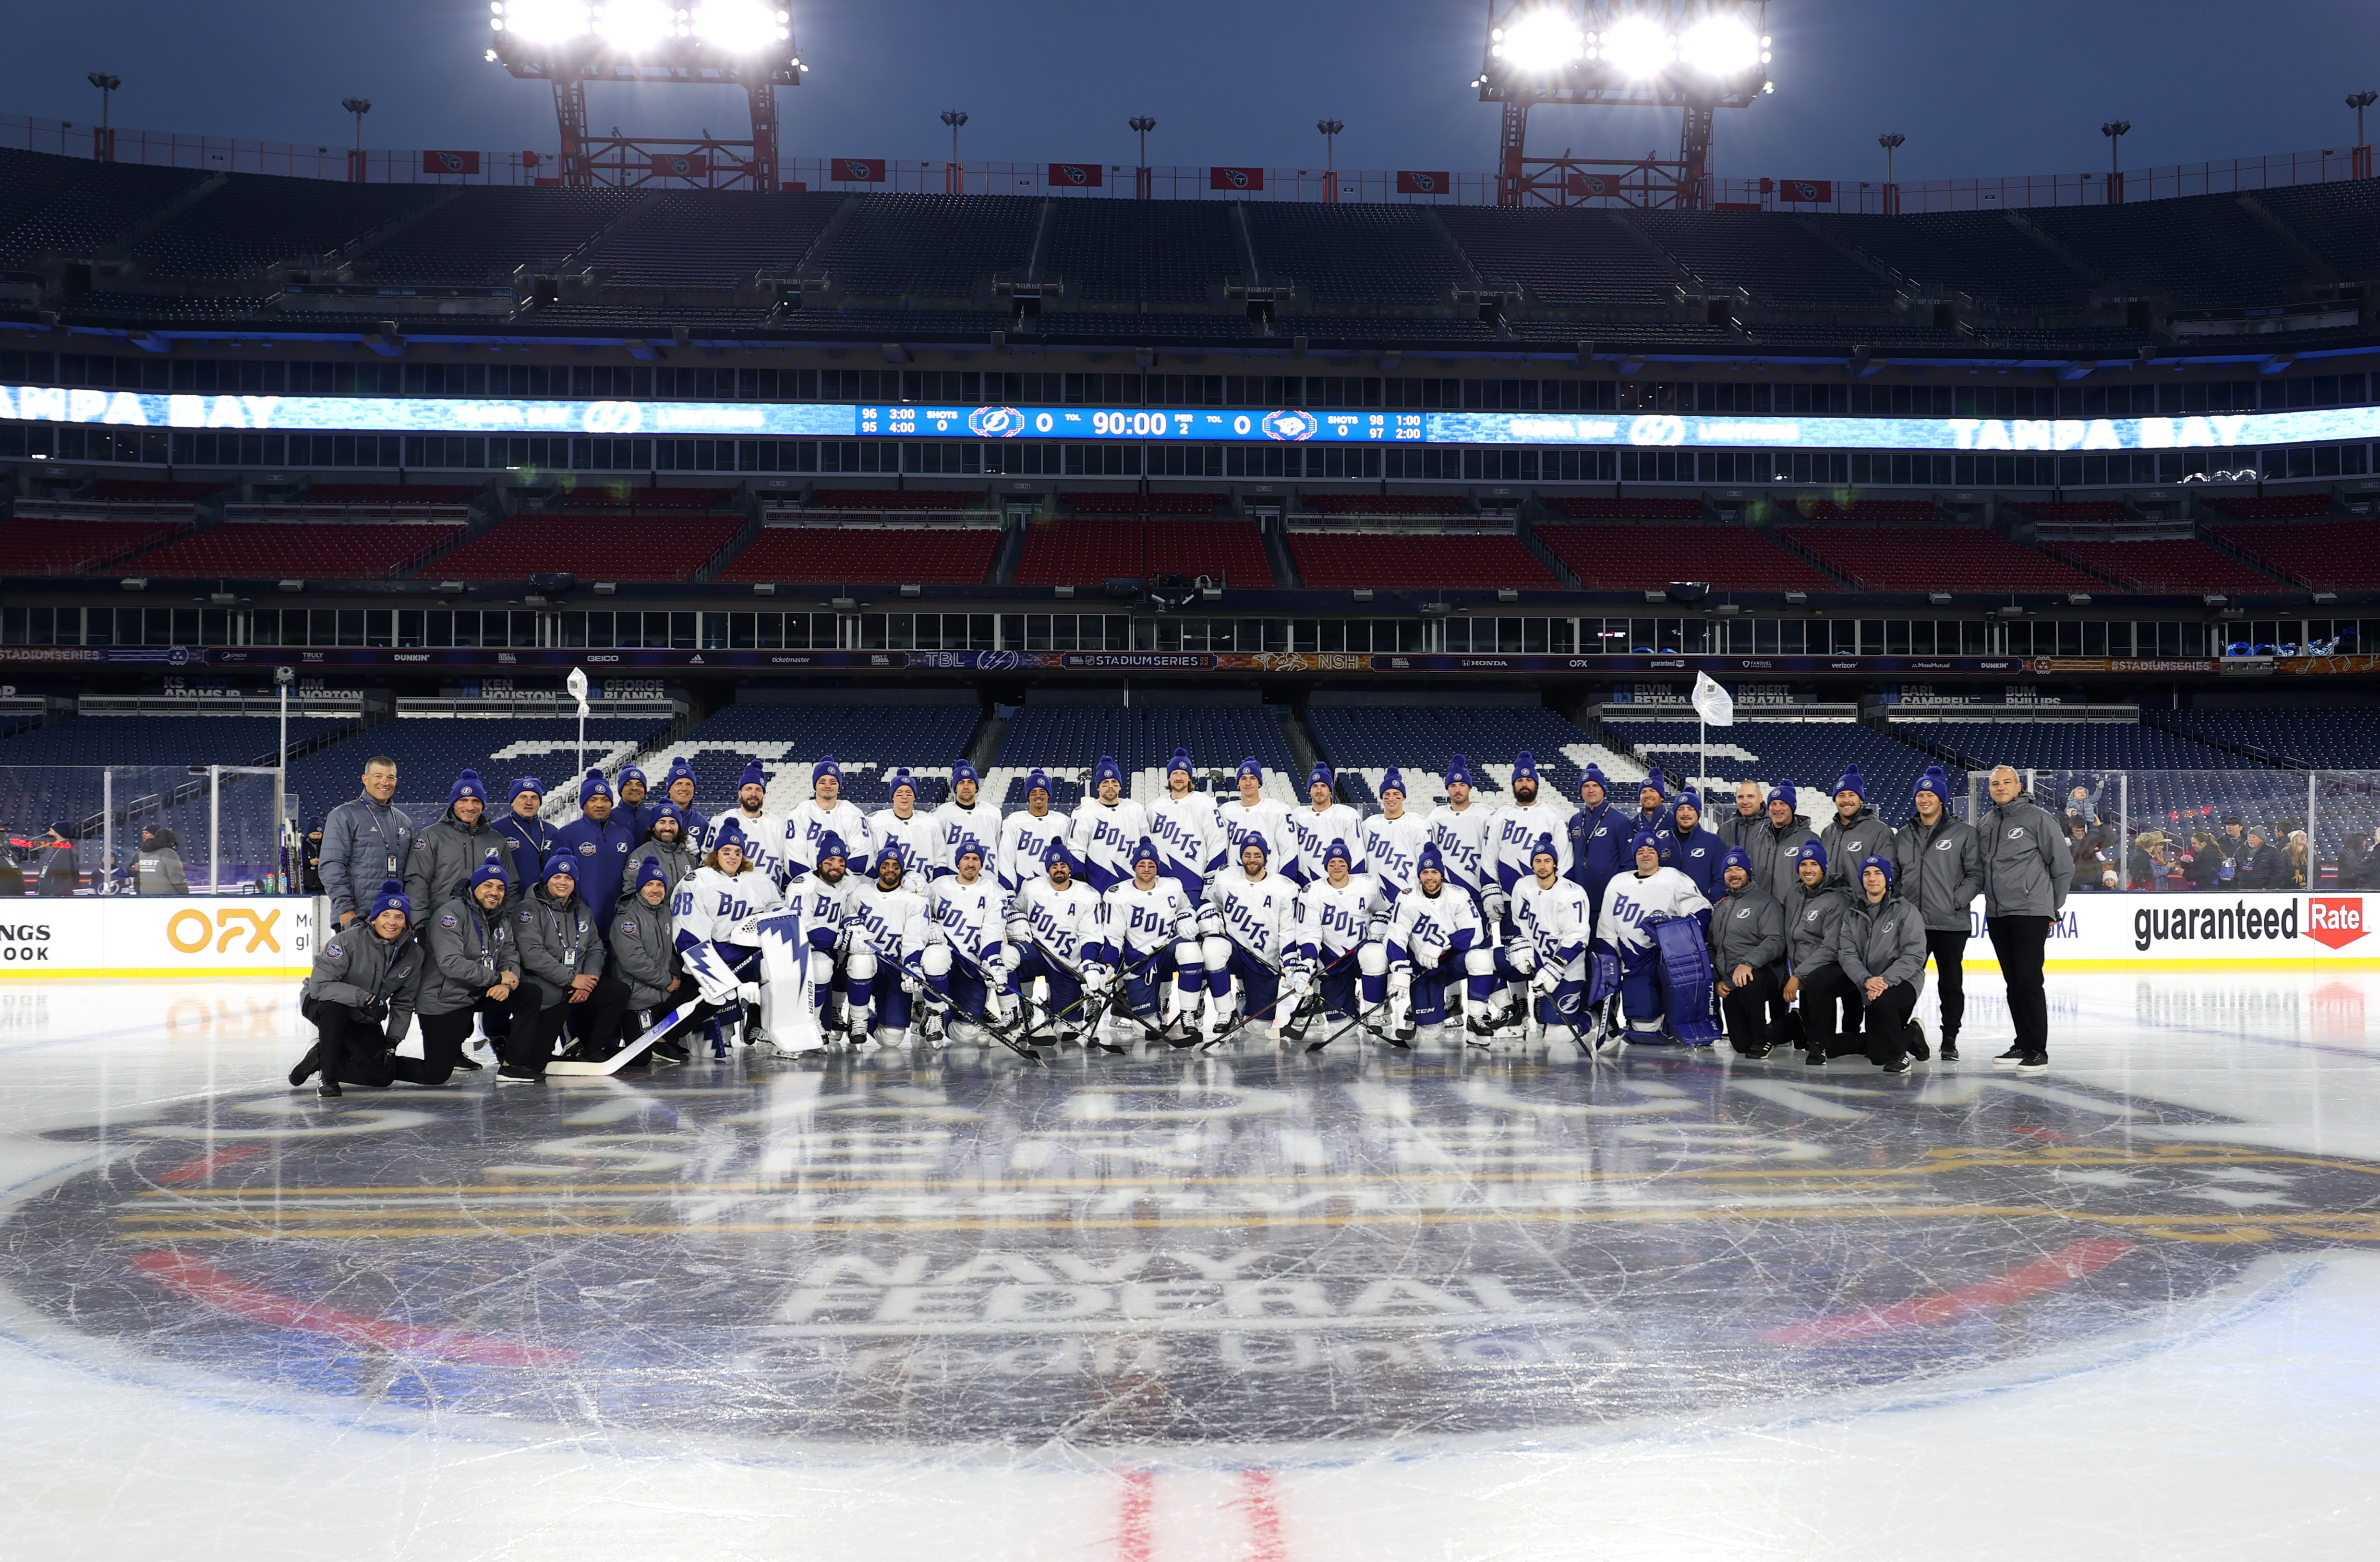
<point x="1447" y="1305"/>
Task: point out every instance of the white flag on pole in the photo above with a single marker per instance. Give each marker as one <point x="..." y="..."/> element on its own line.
<point x="1713" y="704"/>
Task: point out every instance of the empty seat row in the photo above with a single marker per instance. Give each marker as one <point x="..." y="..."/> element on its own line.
<point x="947" y="556"/>
<point x="1488" y="563"/>
<point x="295" y="550"/>
<point x="1934" y="559"/>
<point x="1081" y="551"/>
<point x="1649" y="557"/>
<point x="606" y="547"/>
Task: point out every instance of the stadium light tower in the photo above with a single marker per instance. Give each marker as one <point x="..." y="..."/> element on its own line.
<point x="1695" y="55"/>
<point x="1892" y="141"/>
<point x="956" y="183"/>
<point x="1143" y="124"/>
<point x="107" y="85"/>
<point x="746" y="44"/>
<point x="2359" y="159"/>
<point x="2114" y="130"/>
<point x="359" y="107"/>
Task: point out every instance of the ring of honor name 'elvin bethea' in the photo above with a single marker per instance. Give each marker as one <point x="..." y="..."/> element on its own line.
<point x="840" y="420"/>
<point x="1161" y="1253"/>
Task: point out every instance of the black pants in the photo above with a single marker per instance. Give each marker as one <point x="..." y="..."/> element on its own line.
<point x="1886" y="1028"/>
<point x="352" y="1048"/>
<point x="1823" y="991"/>
<point x="2020" y="942"/>
<point x="1755" y="1010"/>
<point x="1949" y="948"/>
<point x="444" y="1035"/>
<point x="531" y="1047"/>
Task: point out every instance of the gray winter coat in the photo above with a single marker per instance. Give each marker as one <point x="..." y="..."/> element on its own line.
<point x="1882" y="938"/>
<point x="1747" y="928"/>
<point x="1771" y="851"/>
<point x="644" y="952"/>
<point x="358" y="968"/>
<point x="364" y="844"/>
<point x="560" y="940"/>
<point x="1849" y="845"/>
<point x="679" y="861"/>
<point x="1735" y="829"/>
<point x="2027" y="866"/>
<point x="1941" y="870"/>
<point x="158" y="871"/>
<point x="1810" y="919"/>
<point x="470" y="948"/>
<point x="444" y="856"/>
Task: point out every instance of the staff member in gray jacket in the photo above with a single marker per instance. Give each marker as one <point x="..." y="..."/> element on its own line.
<point x="447" y="855"/>
<point x="644" y="954"/>
<point x="1747" y="937"/>
<point x="561" y="953"/>
<point x="1856" y="833"/>
<point x="1810" y="919"/>
<point x="1880" y="949"/>
<point x="360" y="1000"/>
<point x="665" y="842"/>
<point x="364" y="841"/>
<point x="1937" y="866"/>
<point x="1775" y="845"/>
<point x="2027" y="869"/>
<point x="474" y="968"/>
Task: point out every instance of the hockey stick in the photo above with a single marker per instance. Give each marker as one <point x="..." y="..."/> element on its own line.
<point x="1010" y="1038"/>
<point x="573" y="1069"/>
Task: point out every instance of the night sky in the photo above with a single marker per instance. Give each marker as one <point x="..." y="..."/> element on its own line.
<point x="2019" y="87"/>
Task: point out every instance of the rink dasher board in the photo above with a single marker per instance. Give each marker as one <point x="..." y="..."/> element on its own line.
<point x="160" y="938"/>
<point x="2126" y="929"/>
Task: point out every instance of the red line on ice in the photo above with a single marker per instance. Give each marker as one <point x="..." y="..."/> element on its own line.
<point x="1265" y="1543"/>
<point x="207" y="1165"/>
<point x="1135" y="1536"/>
<point x="2069" y="1263"/>
<point x="204" y="1284"/>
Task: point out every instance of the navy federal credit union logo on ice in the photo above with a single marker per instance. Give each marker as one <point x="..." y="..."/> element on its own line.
<point x="1147" y="1254"/>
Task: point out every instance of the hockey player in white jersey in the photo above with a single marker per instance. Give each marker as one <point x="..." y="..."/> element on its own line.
<point x="825" y="812"/>
<point x="966" y="956"/>
<point x="963" y="814"/>
<point x="1025" y="837"/>
<point x="1250" y="813"/>
<point x="1188" y="837"/>
<point x="1107" y="826"/>
<point x="1552" y="925"/>
<point x="1632" y="904"/>
<point x="1149" y="930"/>
<point x="820" y="898"/>
<point x="1311" y="828"/>
<point x="884" y="922"/>
<point x="1392" y="840"/>
<point x="1465" y="833"/>
<point x="763" y="832"/>
<point x="1250" y="930"/>
<point x="716" y="914"/>
<point x="906" y="833"/>
<point x="1436" y="939"/>
<point x="1341" y="934"/>
<point x="1053" y="923"/>
<point x="1529" y="818"/>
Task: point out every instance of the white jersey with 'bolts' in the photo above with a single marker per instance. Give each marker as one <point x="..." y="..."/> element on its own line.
<point x="1628" y="900"/>
<point x="889" y="921"/>
<point x="1136" y="923"/>
<point x="764" y="840"/>
<point x="954" y="823"/>
<point x="972" y="917"/>
<point x="1310" y="835"/>
<point x="1335" y="920"/>
<point x="1259" y="916"/>
<point x="913" y="840"/>
<point x="808" y="824"/>
<point x="1105" y="836"/>
<point x="1554" y="923"/>
<point x="1024" y="843"/>
<point x="1062" y="923"/>
<point x="1391" y="850"/>
<point x="1464" y="838"/>
<point x="714" y="908"/>
<point x="1518" y="829"/>
<point x="1188" y="839"/>
<point x="1425" y="928"/>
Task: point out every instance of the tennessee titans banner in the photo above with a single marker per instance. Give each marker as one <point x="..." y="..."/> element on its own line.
<point x="1075" y="175"/>
<point x="1236" y="179"/>
<point x="1419" y="181"/>
<point x="450" y="162"/>
<point x="1817" y="190"/>
<point x="857" y="170"/>
<point x="681" y="166"/>
<point x="1590" y="186"/>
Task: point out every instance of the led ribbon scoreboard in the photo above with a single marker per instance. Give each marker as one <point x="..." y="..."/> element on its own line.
<point x="329" y="414"/>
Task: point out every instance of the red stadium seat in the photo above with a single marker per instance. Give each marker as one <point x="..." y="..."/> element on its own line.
<point x="47" y="546"/>
<point x="1386" y="504"/>
<point x="1143" y="504"/>
<point x="1628" y="509"/>
<point x="399" y="495"/>
<point x="1083" y="553"/>
<point x="878" y="501"/>
<point x="1327" y="561"/>
<point x="134" y="491"/>
<point x="1649" y="557"/>
<point x="2165" y="566"/>
<point x="2077" y="512"/>
<point x="942" y="555"/>
<point x="662" y="547"/>
<point x="1934" y="559"/>
<point x="1872" y="512"/>
<point x="600" y="495"/>
<point x="265" y="550"/>
<point x="2328" y="554"/>
<point x="2277" y="506"/>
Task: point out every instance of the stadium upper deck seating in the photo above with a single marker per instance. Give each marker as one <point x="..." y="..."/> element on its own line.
<point x="1768" y="253"/>
<point x="2077" y="512"/>
<point x="1628" y="509"/>
<point x="264" y="550"/>
<point x="1144" y="504"/>
<point x="2275" y="506"/>
<point x="254" y="220"/>
<point x="2331" y="554"/>
<point x="1065" y="740"/>
<point x="942" y="246"/>
<point x="395" y="496"/>
<point x="1419" y="740"/>
<point x="1566" y="258"/>
<point x="2339" y="221"/>
<point x="869" y="742"/>
<point x="1649" y="557"/>
<point x="173" y="742"/>
<point x="72" y="206"/>
<point x="1870" y="512"/>
<point x="1483" y="562"/>
<point x="1979" y="253"/>
<point x="946" y="556"/>
<point x="600" y="496"/>
<point x="1329" y="502"/>
<point x="2165" y="565"/>
<point x="2336" y="736"/>
<point x="883" y="500"/>
<point x="1934" y="559"/>
<point x="2204" y="251"/>
<point x="71" y="547"/>
<point x="1809" y="753"/>
<point x="1355" y="256"/>
<point x="1164" y="251"/>
<point x="742" y="233"/>
<point x="665" y="547"/>
<point x="482" y="235"/>
<point x="1083" y="553"/>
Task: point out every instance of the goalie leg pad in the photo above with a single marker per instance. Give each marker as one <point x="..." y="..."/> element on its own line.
<point x="1566" y="1004"/>
<point x="1681" y="966"/>
<point x="1640" y="998"/>
<point x="1603" y="976"/>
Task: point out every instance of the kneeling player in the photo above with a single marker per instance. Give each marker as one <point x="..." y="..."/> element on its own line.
<point x="882" y="919"/>
<point x="1634" y="906"/>
<point x="822" y="895"/>
<point x="1747" y="938"/>
<point x="964" y="959"/>
<point x="1342" y="935"/>
<point x="718" y="914"/>
<point x="1057" y="920"/>
<point x="1436" y="939"/>
<point x="1549" y="948"/>
<point x="1250" y="928"/>
<point x="1149" y="930"/>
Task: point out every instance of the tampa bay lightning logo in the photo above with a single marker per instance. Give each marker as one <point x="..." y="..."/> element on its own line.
<point x="996" y="661"/>
<point x="1291" y="425"/>
<point x="996" y="423"/>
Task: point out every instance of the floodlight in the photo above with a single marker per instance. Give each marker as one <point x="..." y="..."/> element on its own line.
<point x="633" y="25"/>
<point x="742" y="26"/>
<point x="1719" y="46"/>
<point x="542" y="21"/>
<point x="1544" y="40"/>
<point x="1637" y="45"/>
